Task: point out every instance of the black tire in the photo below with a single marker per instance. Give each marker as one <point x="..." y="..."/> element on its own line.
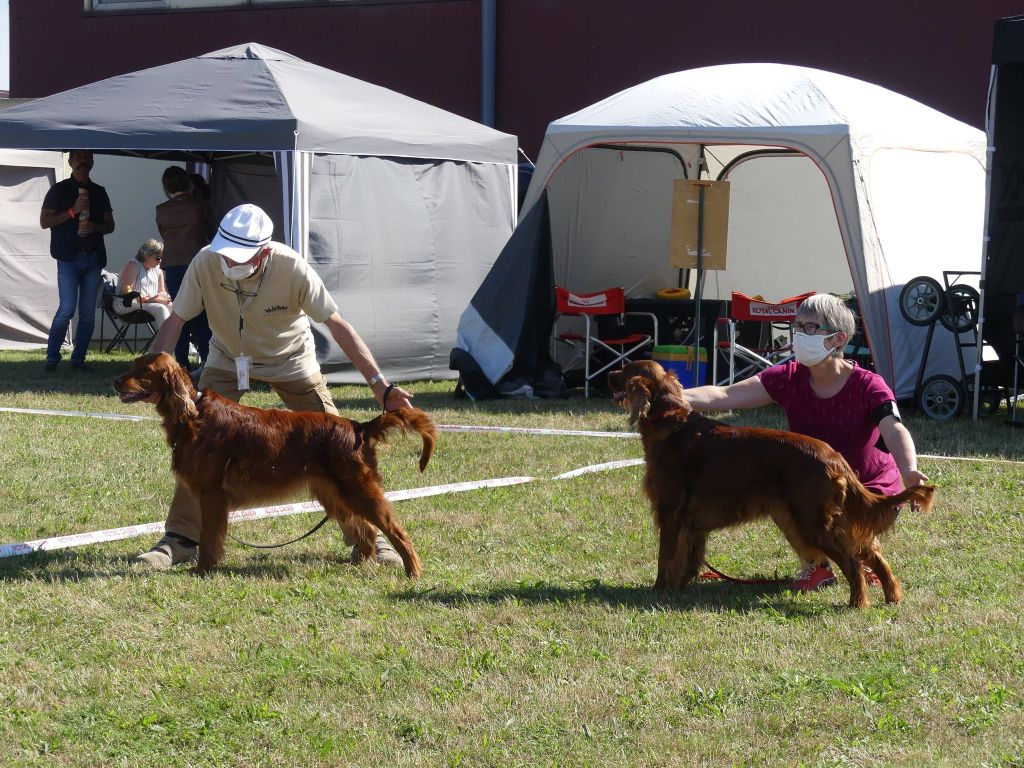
<point x="961" y="310"/>
<point x="922" y="301"/>
<point x="941" y="398"/>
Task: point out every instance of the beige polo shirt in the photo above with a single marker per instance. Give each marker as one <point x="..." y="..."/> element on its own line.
<point x="267" y="318"/>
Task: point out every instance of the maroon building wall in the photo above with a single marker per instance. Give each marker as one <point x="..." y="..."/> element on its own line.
<point x="553" y="57"/>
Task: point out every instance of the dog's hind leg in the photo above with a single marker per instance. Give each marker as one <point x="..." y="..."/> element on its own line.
<point x="359" y="510"/>
<point x="850" y="566"/>
<point x="213" y="506"/>
<point x="890" y="584"/>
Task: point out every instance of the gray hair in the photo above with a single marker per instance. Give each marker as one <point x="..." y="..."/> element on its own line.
<point x="831" y="312"/>
<point x="149" y="248"/>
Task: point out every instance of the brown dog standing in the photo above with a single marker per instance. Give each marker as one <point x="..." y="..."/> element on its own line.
<point x="228" y="454"/>
<point x="703" y="475"/>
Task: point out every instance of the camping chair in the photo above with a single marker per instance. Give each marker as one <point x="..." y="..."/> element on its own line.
<point x="765" y="351"/>
<point x="122" y="322"/>
<point x="605" y="331"/>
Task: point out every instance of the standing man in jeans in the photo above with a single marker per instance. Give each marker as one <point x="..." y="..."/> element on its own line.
<point x="78" y="214"/>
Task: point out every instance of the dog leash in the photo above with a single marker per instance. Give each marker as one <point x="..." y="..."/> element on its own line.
<point x="310" y="532"/>
<point x="319" y="525"/>
<point x="714" y="574"/>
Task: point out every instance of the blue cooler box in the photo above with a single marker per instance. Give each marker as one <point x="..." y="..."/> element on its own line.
<point x="680" y="359"/>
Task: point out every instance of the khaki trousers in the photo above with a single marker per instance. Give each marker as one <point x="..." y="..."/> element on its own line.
<point x="299" y="395"/>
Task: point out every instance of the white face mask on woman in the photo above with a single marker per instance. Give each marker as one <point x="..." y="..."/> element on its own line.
<point x="810" y="349"/>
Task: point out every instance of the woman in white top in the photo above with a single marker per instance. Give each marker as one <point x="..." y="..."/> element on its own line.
<point x="144" y="276"/>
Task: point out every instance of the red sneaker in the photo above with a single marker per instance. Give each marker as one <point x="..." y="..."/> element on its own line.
<point x="870" y="576"/>
<point x="814" y="577"/>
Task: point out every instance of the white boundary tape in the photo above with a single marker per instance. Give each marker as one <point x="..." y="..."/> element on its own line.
<point x="131" y="531"/>
<point x="115" y="534"/>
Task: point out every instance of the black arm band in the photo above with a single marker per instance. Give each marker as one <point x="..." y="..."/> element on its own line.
<point x="888" y="408"/>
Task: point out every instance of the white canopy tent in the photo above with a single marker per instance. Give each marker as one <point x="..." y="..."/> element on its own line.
<point x="837" y="185"/>
<point x="400" y="206"/>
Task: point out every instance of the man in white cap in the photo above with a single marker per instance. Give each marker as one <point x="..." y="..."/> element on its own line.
<point x="259" y="298"/>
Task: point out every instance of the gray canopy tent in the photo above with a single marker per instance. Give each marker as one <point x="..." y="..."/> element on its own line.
<point x="400" y="206"/>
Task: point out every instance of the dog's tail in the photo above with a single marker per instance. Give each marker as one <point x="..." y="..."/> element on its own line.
<point x="407" y="420"/>
<point x="884" y="508"/>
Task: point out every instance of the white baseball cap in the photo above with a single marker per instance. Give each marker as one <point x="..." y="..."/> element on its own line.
<point x="242" y="232"/>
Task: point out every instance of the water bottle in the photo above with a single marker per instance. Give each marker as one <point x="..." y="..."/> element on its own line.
<point x="84" y="215"/>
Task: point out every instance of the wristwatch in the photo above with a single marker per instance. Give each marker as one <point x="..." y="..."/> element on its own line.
<point x="375" y="379"/>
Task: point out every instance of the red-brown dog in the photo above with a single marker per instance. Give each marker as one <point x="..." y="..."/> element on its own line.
<point x="228" y="454"/>
<point x="703" y="475"/>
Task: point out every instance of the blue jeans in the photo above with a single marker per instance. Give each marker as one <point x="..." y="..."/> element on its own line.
<point x="197" y="329"/>
<point x="78" y="284"/>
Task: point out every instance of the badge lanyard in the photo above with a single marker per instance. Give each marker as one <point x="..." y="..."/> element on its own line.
<point x="243" y="363"/>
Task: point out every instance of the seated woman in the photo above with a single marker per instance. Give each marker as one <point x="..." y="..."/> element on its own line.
<point x="143" y="276"/>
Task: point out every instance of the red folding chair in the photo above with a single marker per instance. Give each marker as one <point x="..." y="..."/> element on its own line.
<point x="768" y="352"/>
<point x="620" y="343"/>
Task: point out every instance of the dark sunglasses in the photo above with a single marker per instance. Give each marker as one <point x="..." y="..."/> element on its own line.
<point x="811" y="328"/>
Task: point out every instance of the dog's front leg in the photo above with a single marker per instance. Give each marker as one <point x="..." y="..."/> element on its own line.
<point x="213" y="506"/>
<point x="667" y="546"/>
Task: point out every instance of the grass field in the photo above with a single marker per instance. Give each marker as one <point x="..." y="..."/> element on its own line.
<point x="532" y="639"/>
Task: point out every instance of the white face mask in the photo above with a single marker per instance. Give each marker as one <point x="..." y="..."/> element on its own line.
<point x="810" y="350"/>
<point x="238" y="271"/>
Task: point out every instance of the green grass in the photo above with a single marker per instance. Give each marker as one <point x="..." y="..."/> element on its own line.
<point x="531" y="640"/>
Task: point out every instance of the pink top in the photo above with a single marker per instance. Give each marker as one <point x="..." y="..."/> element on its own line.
<point x="843" y="420"/>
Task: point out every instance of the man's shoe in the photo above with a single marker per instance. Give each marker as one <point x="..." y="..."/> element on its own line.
<point x="81" y="367"/>
<point x="167" y="552"/>
<point x="814" y="577"/>
<point x="50" y="366"/>
<point x="384" y="553"/>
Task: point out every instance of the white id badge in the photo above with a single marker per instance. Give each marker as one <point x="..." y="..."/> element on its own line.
<point x="242" y="365"/>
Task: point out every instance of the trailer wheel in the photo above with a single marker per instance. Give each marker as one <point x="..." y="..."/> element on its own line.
<point x="922" y="301"/>
<point x="941" y="398"/>
<point x="962" y="301"/>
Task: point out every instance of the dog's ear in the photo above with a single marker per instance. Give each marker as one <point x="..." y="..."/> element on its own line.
<point x="638" y="398"/>
<point x="180" y="393"/>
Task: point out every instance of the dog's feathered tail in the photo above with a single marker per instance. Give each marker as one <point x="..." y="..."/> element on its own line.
<point x="407" y="420"/>
<point x="880" y="511"/>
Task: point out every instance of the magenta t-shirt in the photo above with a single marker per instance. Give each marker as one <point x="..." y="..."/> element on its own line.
<point x="843" y="420"/>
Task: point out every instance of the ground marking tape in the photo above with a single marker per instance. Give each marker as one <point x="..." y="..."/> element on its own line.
<point x="131" y="531"/>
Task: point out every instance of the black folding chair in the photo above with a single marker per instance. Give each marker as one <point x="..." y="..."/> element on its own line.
<point x="123" y="322"/>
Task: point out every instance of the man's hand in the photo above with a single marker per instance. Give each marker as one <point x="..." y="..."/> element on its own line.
<point x="397" y="398"/>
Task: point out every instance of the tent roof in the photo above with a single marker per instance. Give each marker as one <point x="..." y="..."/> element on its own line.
<point x="249" y="98"/>
<point x="736" y="99"/>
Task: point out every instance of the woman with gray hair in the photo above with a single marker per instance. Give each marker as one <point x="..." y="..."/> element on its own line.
<point x="832" y="399"/>
<point x="142" y="276"/>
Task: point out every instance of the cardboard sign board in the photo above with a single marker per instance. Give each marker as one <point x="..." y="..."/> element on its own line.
<point x="685" y="220"/>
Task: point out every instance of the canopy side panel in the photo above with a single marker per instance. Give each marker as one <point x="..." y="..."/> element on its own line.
<point x="402" y="245"/>
<point x="28" y="275"/>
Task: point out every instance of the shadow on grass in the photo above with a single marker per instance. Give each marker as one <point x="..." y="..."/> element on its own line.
<point x="67" y="565"/>
<point x="699" y="596"/>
